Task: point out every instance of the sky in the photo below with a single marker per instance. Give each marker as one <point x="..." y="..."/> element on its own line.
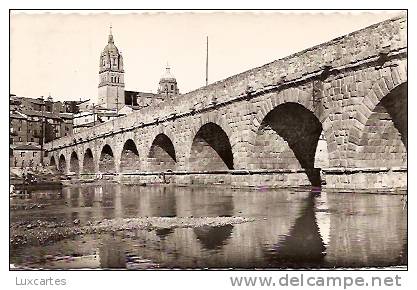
<point x="58" y="54"/>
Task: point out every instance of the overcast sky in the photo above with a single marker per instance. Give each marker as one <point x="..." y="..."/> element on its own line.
<point x="58" y="54"/>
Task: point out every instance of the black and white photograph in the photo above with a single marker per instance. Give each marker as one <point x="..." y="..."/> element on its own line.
<point x="208" y="140"/>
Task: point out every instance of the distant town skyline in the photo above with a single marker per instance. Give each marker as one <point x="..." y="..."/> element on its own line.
<point x="58" y="54"/>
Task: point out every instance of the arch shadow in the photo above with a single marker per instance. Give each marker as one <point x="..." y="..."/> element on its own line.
<point x="211" y="149"/>
<point x="129" y="159"/>
<point x="107" y="161"/>
<point x="62" y="164"/>
<point x="52" y="162"/>
<point x="287" y="138"/>
<point x="88" y="161"/>
<point x="384" y="137"/>
<point x="161" y="156"/>
<point x="74" y="163"/>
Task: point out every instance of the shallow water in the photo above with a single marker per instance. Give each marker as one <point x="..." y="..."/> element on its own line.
<point x="293" y="229"/>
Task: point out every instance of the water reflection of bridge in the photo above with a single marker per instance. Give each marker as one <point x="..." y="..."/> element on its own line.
<point x="299" y="229"/>
<point x="303" y="246"/>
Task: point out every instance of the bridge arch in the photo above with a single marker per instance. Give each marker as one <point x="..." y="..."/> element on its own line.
<point x="327" y="149"/>
<point x="287" y="138"/>
<point x="88" y="161"/>
<point x="74" y="163"/>
<point x="382" y="138"/>
<point x="52" y="163"/>
<point x="162" y="156"/>
<point x="62" y="164"/>
<point x="107" y="162"/>
<point x="290" y="95"/>
<point x="129" y="158"/>
<point x="211" y="149"/>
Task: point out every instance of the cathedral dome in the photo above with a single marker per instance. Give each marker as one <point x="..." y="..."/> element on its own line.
<point x="168" y="84"/>
<point x="167" y="76"/>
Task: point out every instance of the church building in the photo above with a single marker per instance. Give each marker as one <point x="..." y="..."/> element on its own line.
<point x="111" y="89"/>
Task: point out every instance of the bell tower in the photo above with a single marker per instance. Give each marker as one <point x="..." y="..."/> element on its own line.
<point x="111" y="87"/>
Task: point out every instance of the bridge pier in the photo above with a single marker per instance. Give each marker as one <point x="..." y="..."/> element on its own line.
<point x="81" y="166"/>
<point x="366" y="178"/>
<point x="96" y="166"/>
<point x="371" y="179"/>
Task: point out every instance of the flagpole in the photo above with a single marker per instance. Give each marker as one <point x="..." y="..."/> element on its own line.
<point x="206" y="60"/>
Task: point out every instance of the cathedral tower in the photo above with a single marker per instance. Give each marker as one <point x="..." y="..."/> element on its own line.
<point x="111" y="88"/>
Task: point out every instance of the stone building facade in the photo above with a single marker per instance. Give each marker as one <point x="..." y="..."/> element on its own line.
<point x="36" y="121"/>
<point x="27" y="126"/>
<point x="25" y="156"/>
<point x="18" y="128"/>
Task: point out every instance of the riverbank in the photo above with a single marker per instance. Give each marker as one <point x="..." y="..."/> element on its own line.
<point x="39" y="178"/>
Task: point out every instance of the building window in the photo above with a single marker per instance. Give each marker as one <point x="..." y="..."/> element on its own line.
<point x="22" y="154"/>
<point x="34" y="154"/>
<point x="65" y="134"/>
<point x="20" y="129"/>
<point x="20" y="139"/>
<point x="32" y="140"/>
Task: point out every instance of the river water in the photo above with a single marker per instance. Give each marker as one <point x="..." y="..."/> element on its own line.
<point x="292" y="228"/>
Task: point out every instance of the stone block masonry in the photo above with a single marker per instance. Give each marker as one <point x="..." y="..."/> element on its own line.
<point x="262" y="127"/>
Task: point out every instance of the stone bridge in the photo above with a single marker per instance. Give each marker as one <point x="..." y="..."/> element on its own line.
<point x="335" y="113"/>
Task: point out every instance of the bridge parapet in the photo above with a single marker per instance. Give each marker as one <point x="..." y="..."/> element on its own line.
<point x="383" y="38"/>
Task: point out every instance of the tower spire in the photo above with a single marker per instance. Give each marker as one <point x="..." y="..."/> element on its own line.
<point x="111" y="35"/>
